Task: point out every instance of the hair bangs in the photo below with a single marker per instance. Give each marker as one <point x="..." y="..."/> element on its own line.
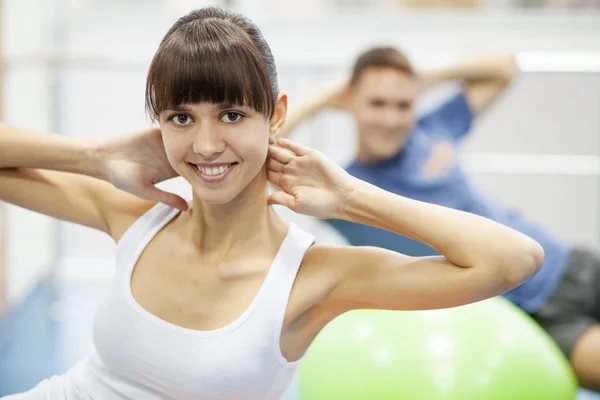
<point x="211" y="63"/>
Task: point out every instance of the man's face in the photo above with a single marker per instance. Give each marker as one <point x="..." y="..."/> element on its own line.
<point x="381" y="102"/>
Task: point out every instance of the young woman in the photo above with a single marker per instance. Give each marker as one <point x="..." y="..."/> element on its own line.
<point x="217" y="297"/>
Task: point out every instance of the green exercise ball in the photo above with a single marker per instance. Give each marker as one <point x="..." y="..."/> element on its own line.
<point x="487" y="350"/>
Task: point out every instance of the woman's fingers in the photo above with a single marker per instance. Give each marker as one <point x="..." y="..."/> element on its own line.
<point x="274" y="165"/>
<point x="281" y="155"/>
<point x="294" y="147"/>
<point x="171" y="199"/>
<point x="282" y="198"/>
<point x="275" y="178"/>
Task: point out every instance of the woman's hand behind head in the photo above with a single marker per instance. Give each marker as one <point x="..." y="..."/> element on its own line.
<point x="136" y="162"/>
<point x="310" y="183"/>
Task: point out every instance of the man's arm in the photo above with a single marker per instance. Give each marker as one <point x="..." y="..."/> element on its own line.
<point x="331" y="97"/>
<point x="485" y="78"/>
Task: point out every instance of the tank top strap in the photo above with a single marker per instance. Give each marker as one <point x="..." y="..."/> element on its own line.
<point x="292" y="255"/>
<point x="293" y="252"/>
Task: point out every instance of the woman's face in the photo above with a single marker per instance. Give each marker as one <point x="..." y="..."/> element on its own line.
<point x="218" y="148"/>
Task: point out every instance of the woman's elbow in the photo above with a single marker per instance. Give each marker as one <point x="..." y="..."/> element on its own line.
<point x="523" y="262"/>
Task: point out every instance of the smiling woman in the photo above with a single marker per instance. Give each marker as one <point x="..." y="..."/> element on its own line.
<point x="232" y="149"/>
<point x="232" y="94"/>
<point x="217" y="296"/>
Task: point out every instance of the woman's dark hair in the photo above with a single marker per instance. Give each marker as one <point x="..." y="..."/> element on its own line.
<point x="212" y="55"/>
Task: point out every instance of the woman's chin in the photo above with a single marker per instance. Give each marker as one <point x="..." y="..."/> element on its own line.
<point x="215" y="197"/>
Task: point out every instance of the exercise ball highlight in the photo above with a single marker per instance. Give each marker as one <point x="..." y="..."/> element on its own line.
<point x="487" y="350"/>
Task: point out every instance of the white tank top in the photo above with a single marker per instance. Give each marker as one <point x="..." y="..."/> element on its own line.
<point x="136" y="355"/>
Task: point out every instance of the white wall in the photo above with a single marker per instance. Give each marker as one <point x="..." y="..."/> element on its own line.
<point x="547" y="128"/>
<point x="30" y="238"/>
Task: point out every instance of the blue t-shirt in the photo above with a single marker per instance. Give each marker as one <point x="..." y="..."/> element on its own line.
<point x="426" y="170"/>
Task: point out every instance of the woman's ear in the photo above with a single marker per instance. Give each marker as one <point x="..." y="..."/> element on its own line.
<point x="279" y="114"/>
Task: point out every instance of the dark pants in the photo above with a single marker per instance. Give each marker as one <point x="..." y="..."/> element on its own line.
<point x="575" y="304"/>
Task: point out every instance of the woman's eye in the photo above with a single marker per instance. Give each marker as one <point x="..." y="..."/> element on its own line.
<point x="231" y="117"/>
<point x="181" y="119"/>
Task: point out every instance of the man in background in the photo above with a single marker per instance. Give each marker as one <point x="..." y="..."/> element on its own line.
<point x="416" y="157"/>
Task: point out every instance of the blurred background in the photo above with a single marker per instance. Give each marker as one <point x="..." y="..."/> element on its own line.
<point x="77" y="67"/>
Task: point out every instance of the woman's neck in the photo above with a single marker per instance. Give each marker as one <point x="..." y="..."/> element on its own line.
<point x="243" y="225"/>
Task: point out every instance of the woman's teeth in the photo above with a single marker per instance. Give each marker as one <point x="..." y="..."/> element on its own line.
<point x="214" y="171"/>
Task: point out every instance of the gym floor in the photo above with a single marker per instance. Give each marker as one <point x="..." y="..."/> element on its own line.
<point x="52" y="330"/>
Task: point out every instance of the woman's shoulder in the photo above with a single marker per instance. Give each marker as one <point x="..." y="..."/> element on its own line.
<point x="320" y="265"/>
<point x="140" y="214"/>
<point x="140" y="211"/>
<point x="320" y="255"/>
<point x="334" y="262"/>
